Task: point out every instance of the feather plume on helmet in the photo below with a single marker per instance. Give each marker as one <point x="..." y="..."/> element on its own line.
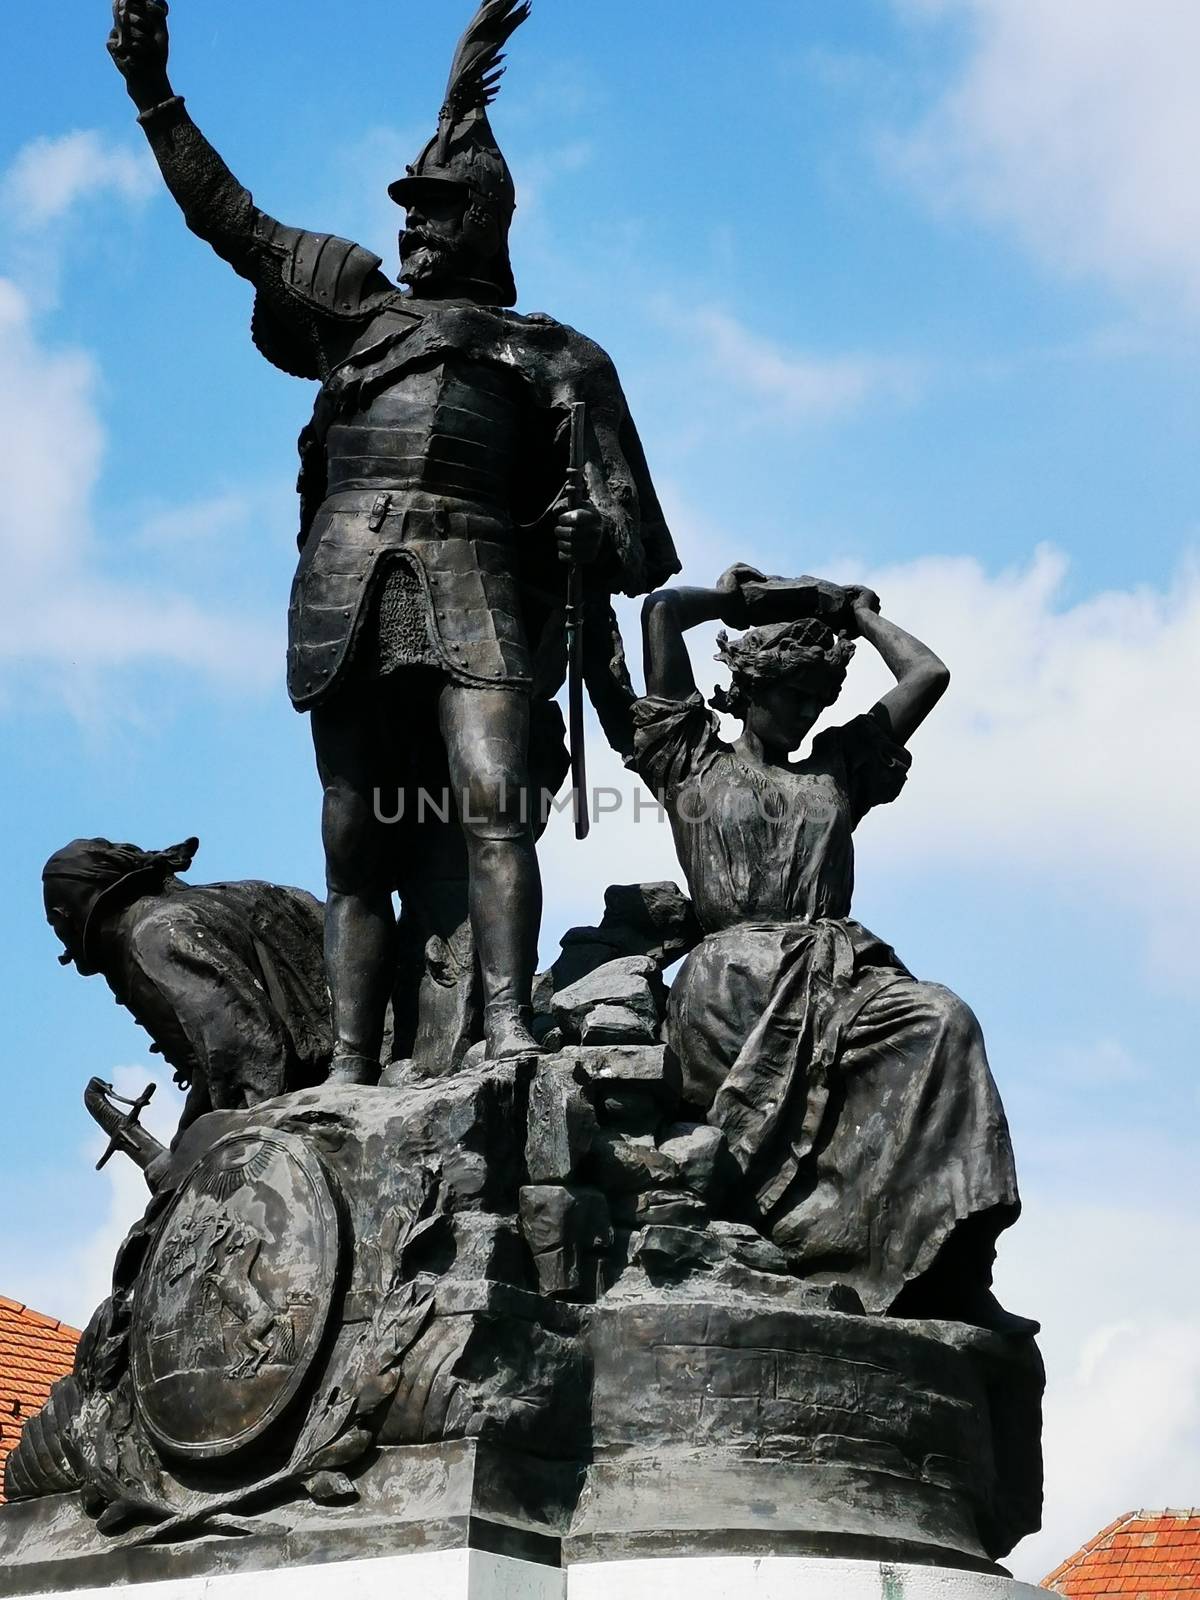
<point x="464" y="153"/>
<point x="807" y="652"/>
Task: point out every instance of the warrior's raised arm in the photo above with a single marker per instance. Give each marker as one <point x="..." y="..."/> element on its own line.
<point x="213" y="202"/>
<point x="325" y="275"/>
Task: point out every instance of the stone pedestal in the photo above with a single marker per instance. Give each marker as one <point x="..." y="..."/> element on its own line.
<point x="433" y="1575"/>
<point x="730" y="1422"/>
<point x="472" y="1339"/>
<point x="469" y="1574"/>
<point x="784" y="1578"/>
<point x="466" y="1521"/>
<point x="466" y="1504"/>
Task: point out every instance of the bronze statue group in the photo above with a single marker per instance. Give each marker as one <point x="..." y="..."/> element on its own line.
<point x="427" y="646"/>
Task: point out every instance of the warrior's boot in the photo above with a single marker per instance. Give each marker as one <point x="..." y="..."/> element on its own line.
<point x="353" y="1070"/>
<point x="506" y="1031"/>
<point x="504" y="874"/>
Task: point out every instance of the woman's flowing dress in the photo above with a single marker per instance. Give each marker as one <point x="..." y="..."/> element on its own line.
<point x="857" y="1101"/>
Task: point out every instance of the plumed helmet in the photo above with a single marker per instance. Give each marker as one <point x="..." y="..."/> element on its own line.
<point x="464" y="153"/>
<point x="91" y="876"/>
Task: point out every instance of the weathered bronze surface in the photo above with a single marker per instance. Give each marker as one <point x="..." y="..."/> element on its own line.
<point x="684" y="1247"/>
<point x="442" y="507"/>
<point x="236" y="1296"/>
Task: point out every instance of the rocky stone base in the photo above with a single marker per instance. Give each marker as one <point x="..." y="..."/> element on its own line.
<point x="505" y="1311"/>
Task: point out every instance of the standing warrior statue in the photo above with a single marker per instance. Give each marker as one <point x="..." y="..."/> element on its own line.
<point x="432" y="513"/>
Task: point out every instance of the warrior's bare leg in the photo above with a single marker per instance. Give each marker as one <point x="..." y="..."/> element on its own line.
<point x="486" y="733"/>
<point x="360" y="920"/>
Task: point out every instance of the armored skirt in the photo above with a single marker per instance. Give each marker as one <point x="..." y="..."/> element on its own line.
<point x="857" y="1100"/>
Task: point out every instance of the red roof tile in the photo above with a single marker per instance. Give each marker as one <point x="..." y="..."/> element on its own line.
<point x="35" y="1351"/>
<point x="1144" y="1555"/>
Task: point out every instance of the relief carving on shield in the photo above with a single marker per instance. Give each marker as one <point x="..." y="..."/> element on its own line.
<point x="236" y="1296"/>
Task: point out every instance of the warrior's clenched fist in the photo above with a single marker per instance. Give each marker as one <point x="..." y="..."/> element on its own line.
<point x="139" y="44"/>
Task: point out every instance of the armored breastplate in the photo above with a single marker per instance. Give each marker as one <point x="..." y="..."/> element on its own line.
<point x="450" y="431"/>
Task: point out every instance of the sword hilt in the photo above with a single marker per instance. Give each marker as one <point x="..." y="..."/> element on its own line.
<point x="101" y="1100"/>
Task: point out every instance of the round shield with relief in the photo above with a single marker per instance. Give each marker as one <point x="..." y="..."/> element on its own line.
<point x="235" y="1298"/>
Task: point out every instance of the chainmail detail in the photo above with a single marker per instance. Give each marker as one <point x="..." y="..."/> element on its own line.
<point x="396" y="629"/>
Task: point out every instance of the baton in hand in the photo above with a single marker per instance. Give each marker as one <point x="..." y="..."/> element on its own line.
<point x="575" y="494"/>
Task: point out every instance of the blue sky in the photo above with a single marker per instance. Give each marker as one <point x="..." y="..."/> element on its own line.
<point x="905" y="290"/>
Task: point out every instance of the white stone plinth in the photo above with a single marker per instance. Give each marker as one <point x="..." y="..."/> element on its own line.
<point x="476" y="1575"/>
<point x="783" y="1578"/>
<point x="438" y="1575"/>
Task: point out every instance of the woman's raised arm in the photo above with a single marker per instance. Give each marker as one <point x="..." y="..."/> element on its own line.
<point x="922" y="678"/>
<point x="669" y="613"/>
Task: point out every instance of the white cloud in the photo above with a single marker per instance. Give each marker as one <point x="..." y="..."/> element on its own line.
<point x="1102" y="1063"/>
<point x="53" y="441"/>
<point x="51" y="177"/>
<point x="70" y="1283"/>
<point x="67" y="619"/>
<point x="1064" y="746"/>
<point x="64" y="612"/>
<point x="51" y="187"/>
<point x="1075" y="126"/>
<point x="790" y="385"/>
<point x="1120" y="1307"/>
<point x="545" y="167"/>
<point x="801" y="386"/>
<point x="218" y="524"/>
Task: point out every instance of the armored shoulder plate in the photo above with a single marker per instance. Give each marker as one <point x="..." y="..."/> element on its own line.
<point x="322" y="279"/>
<point x="332" y="275"/>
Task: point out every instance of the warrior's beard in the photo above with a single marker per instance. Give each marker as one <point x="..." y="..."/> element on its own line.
<point x="427" y="256"/>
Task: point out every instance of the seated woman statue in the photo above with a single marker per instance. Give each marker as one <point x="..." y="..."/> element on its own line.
<point x="857" y="1101"/>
